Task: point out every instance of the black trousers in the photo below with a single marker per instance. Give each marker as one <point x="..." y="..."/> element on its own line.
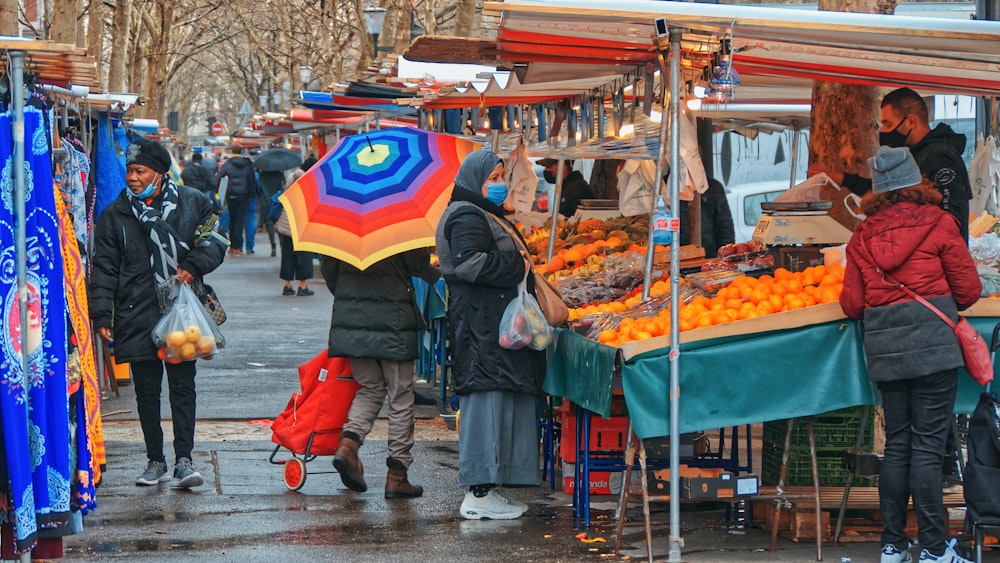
<point x="147" y="376"/>
<point x="294" y="265"/>
<point x="237" y="217"/>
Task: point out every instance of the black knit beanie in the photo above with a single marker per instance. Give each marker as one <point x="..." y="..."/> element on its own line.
<point x="149" y="154"/>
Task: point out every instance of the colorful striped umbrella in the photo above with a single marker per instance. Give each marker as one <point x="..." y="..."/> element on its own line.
<point x="375" y="194"/>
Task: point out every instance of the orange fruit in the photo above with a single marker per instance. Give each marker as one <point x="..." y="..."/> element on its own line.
<point x="652" y="327"/>
<point x="187" y="351"/>
<point x="819" y="271"/>
<point x="734" y="303"/>
<point x="686" y="312"/>
<point x="777" y="302"/>
<point x="607" y="336"/>
<point x="733" y="314"/>
<point x="780" y="288"/>
<point x="765" y="308"/>
<point x="829" y="295"/>
<point x="704" y="319"/>
<point x="794" y="285"/>
<point x="836" y="269"/>
<point x="759" y="295"/>
<point x="794" y="302"/>
<point x="766" y="278"/>
<point x="782" y="274"/>
<point x="808" y="299"/>
<point x="573" y="255"/>
<point x="642" y="335"/>
<point x="176" y="338"/>
<point x="686" y="324"/>
<point x="829" y="279"/>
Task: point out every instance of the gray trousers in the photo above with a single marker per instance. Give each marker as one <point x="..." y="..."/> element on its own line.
<point x="379" y="379"/>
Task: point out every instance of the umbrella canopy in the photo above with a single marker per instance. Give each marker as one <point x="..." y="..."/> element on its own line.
<point x="277" y="160"/>
<point x="375" y="194"/>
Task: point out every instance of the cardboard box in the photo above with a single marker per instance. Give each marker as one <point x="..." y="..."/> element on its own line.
<point x="721" y="486"/>
<point x="601" y="482"/>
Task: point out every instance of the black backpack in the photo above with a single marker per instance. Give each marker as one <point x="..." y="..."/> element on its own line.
<point x="982" y="472"/>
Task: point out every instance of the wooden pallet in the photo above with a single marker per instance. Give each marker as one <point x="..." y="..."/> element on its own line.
<point x="798" y="521"/>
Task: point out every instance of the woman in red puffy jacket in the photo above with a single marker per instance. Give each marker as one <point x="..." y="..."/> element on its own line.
<point x="907" y="239"/>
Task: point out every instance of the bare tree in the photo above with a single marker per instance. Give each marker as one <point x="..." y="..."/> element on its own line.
<point x="845" y="116"/>
<point x="121" y="33"/>
<point x="8" y="17"/>
<point x="63" y="26"/>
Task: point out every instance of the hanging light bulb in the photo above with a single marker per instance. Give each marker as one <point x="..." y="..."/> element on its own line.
<point x="725" y="76"/>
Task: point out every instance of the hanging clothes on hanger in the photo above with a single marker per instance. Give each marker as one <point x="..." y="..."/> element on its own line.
<point x="33" y="403"/>
<point x="89" y="443"/>
<point x="74" y="169"/>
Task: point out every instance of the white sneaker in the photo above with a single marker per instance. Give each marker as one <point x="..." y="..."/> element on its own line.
<point x="891" y="554"/>
<point x="492" y="506"/>
<point x="949" y="555"/>
<point x="511" y="500"/>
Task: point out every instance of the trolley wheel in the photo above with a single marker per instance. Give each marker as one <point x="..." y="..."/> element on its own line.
<point x="295" y="474"/>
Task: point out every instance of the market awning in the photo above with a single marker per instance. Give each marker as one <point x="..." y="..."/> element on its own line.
<point x="507" y="89"/>
<point x="936" y="54"/>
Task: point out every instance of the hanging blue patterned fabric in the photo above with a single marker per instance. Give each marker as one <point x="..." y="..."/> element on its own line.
<point x="35" y="420"/>
<point x="109" y="158"/>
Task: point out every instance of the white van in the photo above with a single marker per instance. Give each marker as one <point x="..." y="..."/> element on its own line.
<point x="744" y="203"/>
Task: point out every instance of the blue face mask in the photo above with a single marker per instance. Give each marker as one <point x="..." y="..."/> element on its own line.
<point x="496" y="192"/>
<point x="146" y="193"/>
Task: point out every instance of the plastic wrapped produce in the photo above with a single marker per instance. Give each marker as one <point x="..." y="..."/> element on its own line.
<point x="985" y="250"/>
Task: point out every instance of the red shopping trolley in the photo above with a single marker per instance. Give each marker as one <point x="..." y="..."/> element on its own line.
<point x="311" y="423"/>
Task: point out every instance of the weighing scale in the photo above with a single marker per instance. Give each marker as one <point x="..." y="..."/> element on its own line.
<point x="799" y="223"/>
<point x="796" y="231"/>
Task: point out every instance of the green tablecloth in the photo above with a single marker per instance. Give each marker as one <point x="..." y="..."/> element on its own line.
<point x="734" y="380"/>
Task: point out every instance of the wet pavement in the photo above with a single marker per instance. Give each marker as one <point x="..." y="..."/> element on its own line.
<point x="245" y="513"/>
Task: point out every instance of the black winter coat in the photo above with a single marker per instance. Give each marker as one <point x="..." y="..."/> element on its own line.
<point x="122" y="290"/>
<point x="242" y="180"/>
<point x="198" y="177"/>
<point x="482" y="266"/>
<point x="374" y="310"/>
<point x="716" y="220"/>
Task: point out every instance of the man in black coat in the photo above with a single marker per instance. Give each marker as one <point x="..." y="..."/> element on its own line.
<point x="154" y="234"/>
<point x="574" y="187"/>
<point x="241" y="189"/>
<point x="717" y="227"/>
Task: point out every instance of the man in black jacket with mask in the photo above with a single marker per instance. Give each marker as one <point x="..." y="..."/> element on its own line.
<point x="938" y="152"/>
<point x="574" y="187"/>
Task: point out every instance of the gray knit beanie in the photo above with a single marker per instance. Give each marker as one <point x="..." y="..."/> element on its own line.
<point x="893" y="169"/>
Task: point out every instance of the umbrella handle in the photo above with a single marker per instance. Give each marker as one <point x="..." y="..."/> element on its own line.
<point x="370" y="147"/>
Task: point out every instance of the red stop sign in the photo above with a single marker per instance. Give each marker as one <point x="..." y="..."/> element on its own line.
<point x="216" y="128"/>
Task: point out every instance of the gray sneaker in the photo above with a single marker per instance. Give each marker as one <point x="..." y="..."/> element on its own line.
<point x="155" y="472"/>
<point x="184" y="471"/>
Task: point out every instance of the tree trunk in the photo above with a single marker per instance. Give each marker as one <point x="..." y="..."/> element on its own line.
<point x="95" y="36"/>
<point x="844" y="131"/>
<point x="364" y="44"/>
<point x="156" y="63"/>
<point x="120" y="30"/>
<point x="63" y="27"/>
<point x="81" y="28"/>
<point x="404" y="16"/>
<point x="465" y="17"/>
<point x="8" y="18"/>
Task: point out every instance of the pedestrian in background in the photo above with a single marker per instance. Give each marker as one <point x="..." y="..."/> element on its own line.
<point x="242" y="187"/>
<point x="198" y="176"/>
<point x="295" y="265"/>
<point x="271" y="182"/>
<point x="375" y="323"/>
<point x="498" y="388"/>
<point x="143" y="241"/>
<point x="907" y="240"/>
<point x="717" y="227"/>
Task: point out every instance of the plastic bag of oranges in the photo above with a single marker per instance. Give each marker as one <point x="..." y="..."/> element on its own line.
<point x="186" y="332"/>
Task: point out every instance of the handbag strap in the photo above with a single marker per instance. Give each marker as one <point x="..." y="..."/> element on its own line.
<point x="887" y="278"/>
<point x="529" y="267"/>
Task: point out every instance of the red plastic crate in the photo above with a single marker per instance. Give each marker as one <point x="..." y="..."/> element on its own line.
<point x="606" y="435"/>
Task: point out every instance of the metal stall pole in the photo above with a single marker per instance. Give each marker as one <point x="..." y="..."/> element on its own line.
<point x="794" y="155"/>
<point x="20" y="248"/>
<point x="557" y="196"/>
<point x="647" y="278"/>
<point x="676" y="542"/>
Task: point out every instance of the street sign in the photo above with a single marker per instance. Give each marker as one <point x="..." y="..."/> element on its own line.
<point x="217" y="129"/>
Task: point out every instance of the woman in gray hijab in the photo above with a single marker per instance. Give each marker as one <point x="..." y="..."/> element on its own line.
<point x="498" y="388"/>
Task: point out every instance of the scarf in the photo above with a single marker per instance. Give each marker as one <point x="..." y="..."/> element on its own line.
<point x="165" y="246"/>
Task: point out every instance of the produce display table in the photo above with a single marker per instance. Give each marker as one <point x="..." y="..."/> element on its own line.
<point x="729" y="380"/>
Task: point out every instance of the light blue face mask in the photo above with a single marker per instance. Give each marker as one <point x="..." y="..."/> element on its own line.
<point x="496" y="192"/>
<point x="146" y="193"/>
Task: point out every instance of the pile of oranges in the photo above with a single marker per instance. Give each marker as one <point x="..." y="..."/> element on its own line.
<point x="743" y="298"/>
